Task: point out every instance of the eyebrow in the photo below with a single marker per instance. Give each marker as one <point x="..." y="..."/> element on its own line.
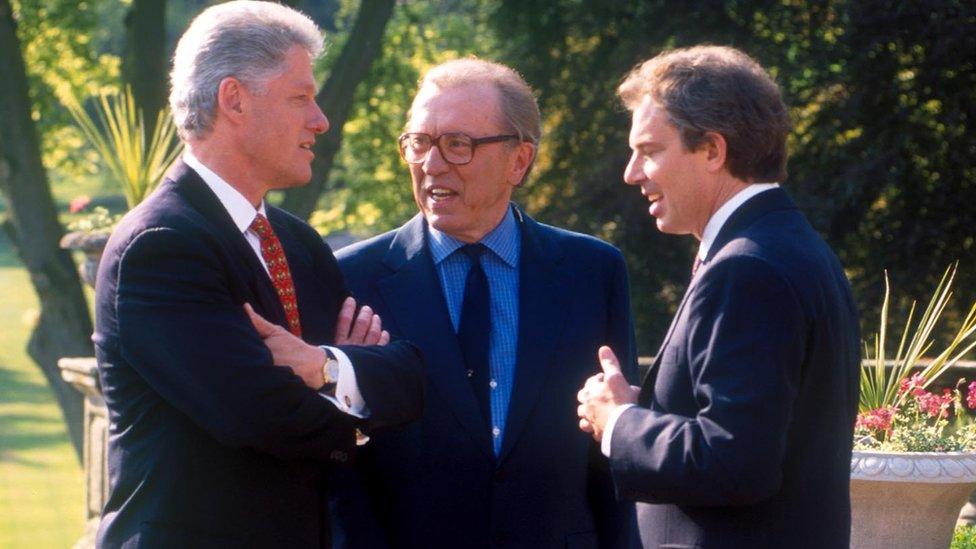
<point x="648" y="143"/>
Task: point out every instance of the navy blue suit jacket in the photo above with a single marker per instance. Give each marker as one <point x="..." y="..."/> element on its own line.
<point x="743" y="434"/>
<point x="436" y="482"/>
<point x="210" y="443"/>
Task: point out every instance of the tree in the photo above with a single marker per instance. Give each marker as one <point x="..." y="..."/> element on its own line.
<point x="369" y="188"/>
<point x="64" y="326"/>
<point x="335" y="98"/>
<point x="146" y="57"/>
<point x="881" y="93"/>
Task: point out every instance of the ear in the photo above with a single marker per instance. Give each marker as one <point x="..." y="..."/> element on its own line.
<point x="524" y="154"/>
<point x="715" y="149"/>
<point x="232" y="98"/>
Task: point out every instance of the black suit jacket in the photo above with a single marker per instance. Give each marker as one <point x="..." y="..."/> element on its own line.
<point x="743" y="434"/>
<point x="210" y="444"/>
<point x="436" y="482"/>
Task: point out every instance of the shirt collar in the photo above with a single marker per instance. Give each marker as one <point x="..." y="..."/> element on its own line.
<point x="503" y="240"/>
<point x="240" y="210"/>
<point x="723" y="214"/>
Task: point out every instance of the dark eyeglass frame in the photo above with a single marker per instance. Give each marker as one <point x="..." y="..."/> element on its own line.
<point x="436" y="142"/>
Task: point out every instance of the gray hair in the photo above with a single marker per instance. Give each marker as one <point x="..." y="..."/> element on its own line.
<point x="517" y="102"/>
<point x="244" y="39"/>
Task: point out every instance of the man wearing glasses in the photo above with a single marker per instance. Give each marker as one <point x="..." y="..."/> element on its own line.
<point x="509" y="314"/>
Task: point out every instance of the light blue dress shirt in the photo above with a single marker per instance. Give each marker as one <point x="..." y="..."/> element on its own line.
<point x="501" y="269"/>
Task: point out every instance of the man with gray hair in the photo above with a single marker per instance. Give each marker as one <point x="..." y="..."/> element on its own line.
<point x="213" y="439"/>
<point x="508" y="313"/>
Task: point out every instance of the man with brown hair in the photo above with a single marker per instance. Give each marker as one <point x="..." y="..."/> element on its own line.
<point x="740" y="434"/>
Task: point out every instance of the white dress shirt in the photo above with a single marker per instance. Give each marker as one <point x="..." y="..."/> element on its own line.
<point x="347" y="396"/>
<point x="712" y="228"/>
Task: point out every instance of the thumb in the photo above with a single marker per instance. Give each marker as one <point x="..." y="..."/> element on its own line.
<point x="263" y="327"/>
<point x="608" y="361"/>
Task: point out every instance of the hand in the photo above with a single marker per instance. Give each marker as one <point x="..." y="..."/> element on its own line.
<point x="367" y="330"/>
<point x="289" y="351"/>
<point x="602" y="393"/>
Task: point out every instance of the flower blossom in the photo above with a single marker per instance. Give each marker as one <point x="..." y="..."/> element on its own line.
<point x="78" y="203"/>
<point x="913" y="384"/>
<point x="878" y="419"/>
<point x="971" y="396"/>
<point x="935" y="405"/>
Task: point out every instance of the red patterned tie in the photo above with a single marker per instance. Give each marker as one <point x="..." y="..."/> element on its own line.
<point x="274" y="257"/>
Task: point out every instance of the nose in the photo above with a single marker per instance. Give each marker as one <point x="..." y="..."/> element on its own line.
<point x="318" y="122"/>
<point x="434" y="163"/>
<point x="634" y="173"/>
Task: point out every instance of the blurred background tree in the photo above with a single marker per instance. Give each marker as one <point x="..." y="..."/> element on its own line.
<point x="881" y="94"/>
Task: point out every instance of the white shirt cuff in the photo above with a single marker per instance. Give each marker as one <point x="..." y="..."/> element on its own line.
<point x="608" y="428"/>
<point x="347" y="396"/>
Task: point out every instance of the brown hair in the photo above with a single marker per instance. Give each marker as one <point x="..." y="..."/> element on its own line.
<point x="722" y="90"/>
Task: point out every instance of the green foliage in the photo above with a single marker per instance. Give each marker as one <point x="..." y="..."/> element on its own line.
<point x="369" y="188"/>
<point x="896" y="413"/>
<point x="98" y="221"/>
<point x="118" y="134"/>
<point x="881" y="380"/>
<point x="964" y="537"/>
<point x="921" y="423"/>
<point x="41" y="482"/>
<point x="64" y="46"/>
<point x="881" y="94"/>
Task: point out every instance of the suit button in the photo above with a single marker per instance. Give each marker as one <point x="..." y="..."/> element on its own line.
<point x="500" y="475"/>
<point x="339" y="455"/>
<point x="499" y="538"/>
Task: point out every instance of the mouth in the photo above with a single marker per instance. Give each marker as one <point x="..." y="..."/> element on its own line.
<point x="654" y="197"/>
<point x="307" y="145"/>
<point x="438" y="194"/>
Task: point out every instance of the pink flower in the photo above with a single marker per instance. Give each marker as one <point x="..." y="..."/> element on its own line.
<point x="878" y="419"/>
<point x="971" y="396"/>
<point x="78" y="203"/>
<point x="935" y="405"/>
<point x="912" y="384"/>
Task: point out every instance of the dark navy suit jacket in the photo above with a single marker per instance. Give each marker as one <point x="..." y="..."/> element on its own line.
<point x="210" y="444"/>
<point x="743" y="434"/>
<point x="437" y="482"/>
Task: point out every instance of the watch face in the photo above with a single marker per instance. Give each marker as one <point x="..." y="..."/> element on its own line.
<point x="332" y="370"/>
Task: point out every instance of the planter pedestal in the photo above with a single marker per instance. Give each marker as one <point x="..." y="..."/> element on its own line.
<point x="909" y="499"/>
<point x="82" y="374"/>
<point x="91" y="244"/>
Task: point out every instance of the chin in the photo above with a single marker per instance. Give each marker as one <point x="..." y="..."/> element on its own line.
<point x="665" y="227"/>
<point x="442" y="223"/>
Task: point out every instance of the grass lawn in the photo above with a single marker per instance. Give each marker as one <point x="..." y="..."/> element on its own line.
<point x="41" y="481"/>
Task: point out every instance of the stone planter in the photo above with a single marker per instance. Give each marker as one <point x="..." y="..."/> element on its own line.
<point x="909" y="499"/>
<point x="92" y="245"/>
<point x="82" y="374"/>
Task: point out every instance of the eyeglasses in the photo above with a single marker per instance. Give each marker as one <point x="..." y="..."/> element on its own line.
<point x="455" y="148"/>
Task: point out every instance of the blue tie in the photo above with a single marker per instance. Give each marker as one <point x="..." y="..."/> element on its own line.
<point x="475" y="328"/>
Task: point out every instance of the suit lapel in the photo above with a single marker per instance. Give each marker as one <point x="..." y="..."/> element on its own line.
<point x="415" y="299"/>
<point x="199" y="195"/>
<point x="544" y="292"/>
<point x="651" y="375"/>
<point x="741" y="218"/>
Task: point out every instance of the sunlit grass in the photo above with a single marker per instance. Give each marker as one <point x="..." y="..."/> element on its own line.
<point x="41" y="481"/>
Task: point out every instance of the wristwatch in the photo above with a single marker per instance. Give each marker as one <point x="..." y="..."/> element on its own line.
<point x="330" y="370"/>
